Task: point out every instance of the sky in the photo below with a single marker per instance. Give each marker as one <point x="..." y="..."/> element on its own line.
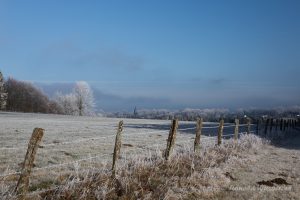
<point x="196" y="54"/>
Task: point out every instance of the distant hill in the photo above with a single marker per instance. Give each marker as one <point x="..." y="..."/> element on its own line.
<point x="108" y="102"/>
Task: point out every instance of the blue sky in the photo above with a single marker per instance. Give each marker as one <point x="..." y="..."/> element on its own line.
<point x="191" y="53"/>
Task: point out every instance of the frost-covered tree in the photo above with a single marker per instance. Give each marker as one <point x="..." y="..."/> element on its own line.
<point x="3" y="94"/>
<point x="79" y="102"/>
<point x="67" y="103"/>
<point x="85" y="101"/>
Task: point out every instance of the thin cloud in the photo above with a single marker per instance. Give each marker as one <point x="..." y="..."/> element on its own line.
<point x="218" y="81"/>
<point x="70" y="55"/>
<point x="112" y="58"/>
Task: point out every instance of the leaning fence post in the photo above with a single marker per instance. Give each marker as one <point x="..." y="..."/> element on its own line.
<point x="198" y="135"/>
<point x="33" y="145"/>
<point x="117" y="148"/>
<point x="236" y="129"/>
<point x="171" y="139"/>
<point x="220" y="131"/>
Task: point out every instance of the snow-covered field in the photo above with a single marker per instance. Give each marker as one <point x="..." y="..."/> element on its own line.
<point x="68" y="139"/>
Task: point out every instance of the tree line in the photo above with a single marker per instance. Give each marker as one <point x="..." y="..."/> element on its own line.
<point x="21" y="96"/>
<point x="210" y="115"/>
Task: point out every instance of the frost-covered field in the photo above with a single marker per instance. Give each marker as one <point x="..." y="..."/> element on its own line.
<point x="68" y="139"/>
<point x="77" y="151"/>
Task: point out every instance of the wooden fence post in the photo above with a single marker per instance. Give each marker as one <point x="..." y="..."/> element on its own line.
<point x="198" y="135"/>
<point x="257" y="126"/>
<point x="236" y="129"/>
<point x="117" y="149"/>
<point x="266" y="126"/>
<point x="171" y="139"/>
<point x="271" y="125"/>
<point x="248" y="125"/>
<point x="220" y="131"/>
<point x="293" y="123"/>
<point x="33" y="145"/>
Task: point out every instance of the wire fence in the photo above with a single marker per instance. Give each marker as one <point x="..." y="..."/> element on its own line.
<point x="125" y="134"/>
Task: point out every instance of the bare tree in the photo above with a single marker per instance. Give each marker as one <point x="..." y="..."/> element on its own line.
<point x="3" y="94"/>
<point x="25" y="97"/>
<point x="85" y="101"/>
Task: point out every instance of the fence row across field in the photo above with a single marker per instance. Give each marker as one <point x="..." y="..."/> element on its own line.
<point x="198" y="130"/>
<point x="270" y="127"/>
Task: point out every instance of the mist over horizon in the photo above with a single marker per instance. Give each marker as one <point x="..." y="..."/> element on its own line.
<point x="109" y="102"/>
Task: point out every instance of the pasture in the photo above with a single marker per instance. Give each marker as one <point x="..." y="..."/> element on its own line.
<point x="73" y="144"/>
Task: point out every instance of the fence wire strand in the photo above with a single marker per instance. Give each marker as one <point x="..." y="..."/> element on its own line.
<point x="68" y="163"/>
<point x="124" y="133"/>
<point x="9" y="174"/>
<point x="207" y="138"/>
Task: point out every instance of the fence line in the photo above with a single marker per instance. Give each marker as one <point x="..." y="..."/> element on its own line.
<point x="12" y="148"/>
<point x="34" y="144"/>
<point x="207" y="138"/>
<point x="185" y="129"/>
<point x="54" y="166"/>
<point x="128" y="134"/>
<point x="61" y="143"/>
<point x="212" y="138"/>
<point x="68" y="163"/>
<point x="241" y="125"/>
<point x="112" y="136"/>
<point x="227" y="135"/>
<point x="78" y="141"/>
<point x="210" y="127"/>
<point x="125" y="133"/>
<point x="9" y="174"/>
